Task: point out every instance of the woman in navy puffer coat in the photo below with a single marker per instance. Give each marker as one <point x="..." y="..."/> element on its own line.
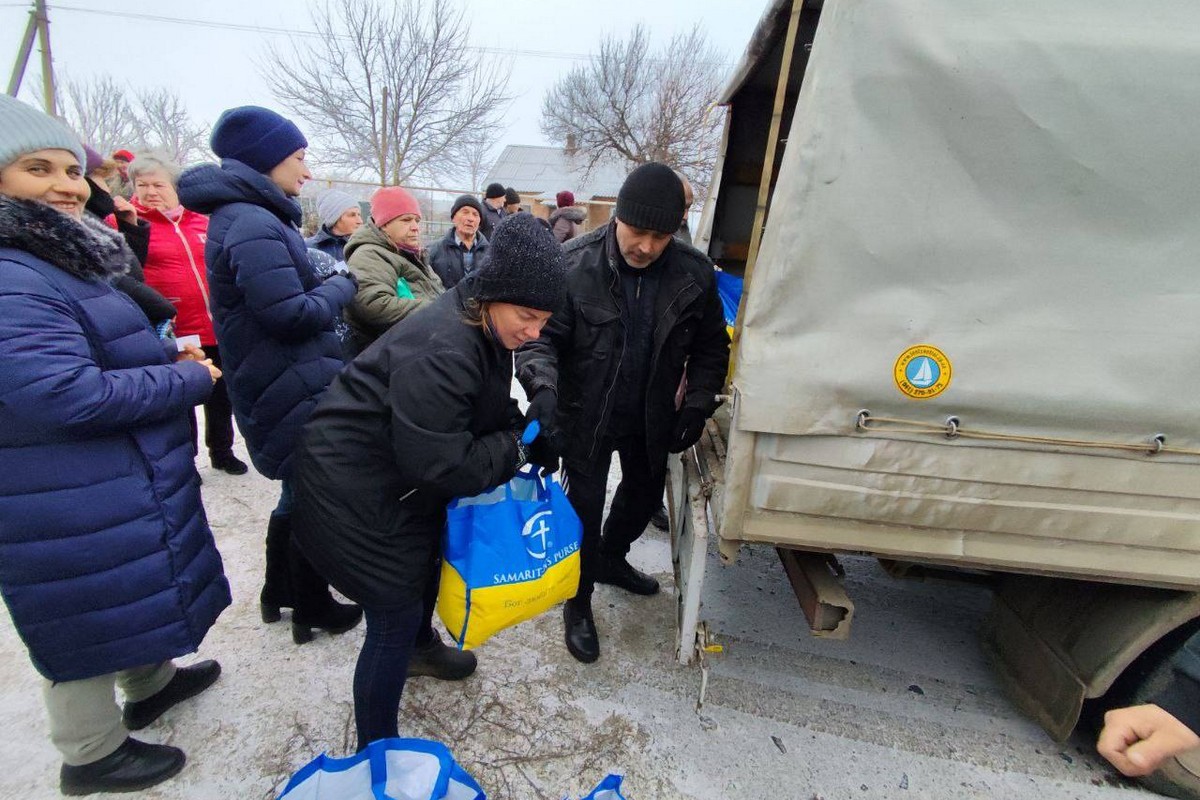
<point x="107" y="563"/>
<point x="275" y="319"/>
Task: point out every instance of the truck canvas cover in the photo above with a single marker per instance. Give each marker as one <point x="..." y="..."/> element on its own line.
<point x="987" y="213"/>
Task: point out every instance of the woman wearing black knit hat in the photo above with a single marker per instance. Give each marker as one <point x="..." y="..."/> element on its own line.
<point x="422" y="416"/>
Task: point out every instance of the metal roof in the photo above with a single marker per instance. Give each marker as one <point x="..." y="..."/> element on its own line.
<point x="545" y="171"/>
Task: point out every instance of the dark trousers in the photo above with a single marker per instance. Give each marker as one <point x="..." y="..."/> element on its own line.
<point x="638" y="496"/>
<point x="382" y="667"/>
<point x="382" y="670"/>
<point x="218" y="414"/>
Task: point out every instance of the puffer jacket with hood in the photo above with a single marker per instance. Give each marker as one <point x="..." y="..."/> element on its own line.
<point x="106" y="558"/>
<point x="275" y="318"/>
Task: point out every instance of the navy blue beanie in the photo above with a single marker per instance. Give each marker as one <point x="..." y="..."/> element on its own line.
<point x="256" y="136"/>
<point x="525" y="266"/>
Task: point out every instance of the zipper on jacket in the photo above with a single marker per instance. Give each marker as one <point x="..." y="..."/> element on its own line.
<point x="657" y="352"/>
<point x="187" y="249"/>
<point x="620" y="357"/>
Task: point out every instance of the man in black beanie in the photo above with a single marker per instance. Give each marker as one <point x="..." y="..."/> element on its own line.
<point x="493" y="209"/>
<point x="641" y="312"/>
<point x="464" y="248"/>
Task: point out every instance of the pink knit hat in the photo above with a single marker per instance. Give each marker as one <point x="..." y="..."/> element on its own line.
<point x="391" y="202"/>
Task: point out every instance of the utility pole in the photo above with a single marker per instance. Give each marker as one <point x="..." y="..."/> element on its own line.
<point x="43" y="25"/>
<point x="39" y="27"/>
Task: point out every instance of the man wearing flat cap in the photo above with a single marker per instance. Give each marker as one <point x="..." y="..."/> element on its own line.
<point x="642" y="312"/>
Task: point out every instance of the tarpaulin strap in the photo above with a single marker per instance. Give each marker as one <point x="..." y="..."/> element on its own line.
<point x="952" y="428"/>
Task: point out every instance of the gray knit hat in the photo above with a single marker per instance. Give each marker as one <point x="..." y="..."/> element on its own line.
<point x="332" y="204"/>
<point x="525" y="266"/>
<point x="24" y="129"/>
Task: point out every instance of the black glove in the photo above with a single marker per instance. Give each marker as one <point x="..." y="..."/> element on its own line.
<point x="689" y="424"/>
<point x="543" y="454"/>
<point x="543" y="406"/>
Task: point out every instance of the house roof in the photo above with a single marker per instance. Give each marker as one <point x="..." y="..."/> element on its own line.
<point x="545" y="171"/>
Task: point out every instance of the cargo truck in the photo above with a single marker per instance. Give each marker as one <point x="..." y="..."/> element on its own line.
<point x="969" y="340"/>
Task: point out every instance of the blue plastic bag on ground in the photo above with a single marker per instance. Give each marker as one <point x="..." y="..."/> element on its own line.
<point x="608" y="789"/>
<point x="389" y="769"/>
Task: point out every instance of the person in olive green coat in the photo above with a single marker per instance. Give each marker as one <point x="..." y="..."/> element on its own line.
<point x="385" y="257"/>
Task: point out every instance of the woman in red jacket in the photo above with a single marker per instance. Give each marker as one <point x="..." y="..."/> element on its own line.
<point x="175" y="267"/>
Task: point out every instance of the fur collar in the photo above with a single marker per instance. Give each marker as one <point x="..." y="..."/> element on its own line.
<point x="85" y="248"/>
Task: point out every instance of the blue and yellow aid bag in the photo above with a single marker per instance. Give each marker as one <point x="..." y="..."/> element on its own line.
<point x="508" y="555"/>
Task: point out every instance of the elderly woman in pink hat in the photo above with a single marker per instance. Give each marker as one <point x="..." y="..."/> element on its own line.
<point x="385" y="256"/>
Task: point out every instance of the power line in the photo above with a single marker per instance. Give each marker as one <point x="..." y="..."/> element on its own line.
<point x="271" y="30"/>
<point x="276" y="31"/>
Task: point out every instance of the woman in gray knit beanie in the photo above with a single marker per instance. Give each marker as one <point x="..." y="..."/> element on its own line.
<point x="108" y="571"/>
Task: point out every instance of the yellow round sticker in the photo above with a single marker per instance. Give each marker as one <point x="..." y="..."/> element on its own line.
<point x="922" y="371"/>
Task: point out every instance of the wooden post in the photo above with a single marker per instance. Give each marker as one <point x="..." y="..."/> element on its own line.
<point x="18" y="73"/>
<point x="768" y="169"/>
<point x="43" y="26"/>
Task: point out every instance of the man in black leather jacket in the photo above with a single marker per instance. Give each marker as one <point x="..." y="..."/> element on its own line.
<point x="642" y="313"/>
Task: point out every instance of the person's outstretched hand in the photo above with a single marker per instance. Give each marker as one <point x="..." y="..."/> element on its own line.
<point x="1138" y="739"/>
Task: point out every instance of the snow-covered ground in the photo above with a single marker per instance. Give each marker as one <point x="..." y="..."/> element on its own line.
<point x="905" y="708"/>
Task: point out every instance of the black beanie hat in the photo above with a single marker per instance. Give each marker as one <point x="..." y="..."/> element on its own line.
<point x="493" y="191"/>
<point x="652" y="199"/>
<point x="465" y="200"/>
<point x="525" y="266"/>
<point x="511" y="196"/>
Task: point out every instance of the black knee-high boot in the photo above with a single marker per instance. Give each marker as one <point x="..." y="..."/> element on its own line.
<point x="313" y="606"/>
<point x="277" y="586"/>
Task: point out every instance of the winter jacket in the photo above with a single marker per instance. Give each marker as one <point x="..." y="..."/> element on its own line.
<point x="106" y="558"/>
<point x="422" y="416"/>
<point x="1181" y="697"/>
<point x="273" y="316"/>
<point x="132" y="281"/>
<point x="445" y="256"/>
<point x="490" y="219"/>
<point x="174" y="265"/>
<point x="581" y="348"/>
<point x="565" y="222"/>
<point x="100" y="208"/>
<point x="380" y="267"/>
<point x="329" y="243"/>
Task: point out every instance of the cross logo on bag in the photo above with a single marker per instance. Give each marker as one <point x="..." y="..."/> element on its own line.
<point x="536" y="533"/>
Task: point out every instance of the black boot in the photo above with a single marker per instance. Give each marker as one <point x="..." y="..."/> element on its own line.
<point x="580" y="630"/>
<point x="441" y="661"/>
<point x="314" y="606"/>
<point x="228" y="462"/>
<point x="616" y="571"/>
<point x="130" y="768"/>
<point x="277" y="588"/>
<point x="660" y="519"/>
<point x="188" y="682"/>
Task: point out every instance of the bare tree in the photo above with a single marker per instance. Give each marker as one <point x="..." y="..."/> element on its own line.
<point x="108" y="116"/>
<point x="634" y="106"/>
<point x="164" y="124"/>
<point x="393" y="90"/>
<point x="99" y="111"/>
<point x="475" y="157"/>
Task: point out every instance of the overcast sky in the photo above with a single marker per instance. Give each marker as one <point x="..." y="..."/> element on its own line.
<point x="213" y="68"/>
